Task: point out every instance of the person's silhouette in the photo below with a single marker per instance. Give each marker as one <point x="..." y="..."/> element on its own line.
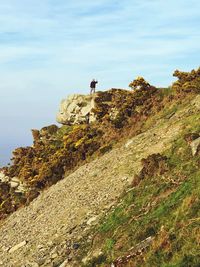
<point x="93" y="86"/>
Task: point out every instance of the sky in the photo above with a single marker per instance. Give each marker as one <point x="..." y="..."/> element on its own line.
<point x="52" y="48"/>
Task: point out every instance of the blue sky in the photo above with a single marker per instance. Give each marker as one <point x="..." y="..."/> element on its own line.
<point x="52" y="48"/>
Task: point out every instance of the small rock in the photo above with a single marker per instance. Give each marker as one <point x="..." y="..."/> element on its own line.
<point x="128" y="143"/>
<point x="3" y="178"/>
<point x="14" y="184"/>
<point x="76" y="246"/>
<point x="20" y="189"/>
<point x="50" y="243"/>
<point x="15" y="179"/>
<point x="195" y="145"/>
<point x="54" y="255"/>
<point x="125" y="178"/>
<point x="91" y="220"/>
<point x="40" y="261"/>
<point x="40" y="247"/>
<point x="23" y="243"/>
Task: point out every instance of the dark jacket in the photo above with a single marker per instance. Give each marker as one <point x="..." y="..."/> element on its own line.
<point x="93" y="84"/>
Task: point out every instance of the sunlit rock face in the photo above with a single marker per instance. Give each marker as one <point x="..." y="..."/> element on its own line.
<point x="76" y="109"/>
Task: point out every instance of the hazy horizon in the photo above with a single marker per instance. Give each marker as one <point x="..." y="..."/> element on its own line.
<point x="52" y="49"/>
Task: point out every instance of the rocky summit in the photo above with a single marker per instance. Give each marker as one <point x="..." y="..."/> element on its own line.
<point x="116" y="185"/>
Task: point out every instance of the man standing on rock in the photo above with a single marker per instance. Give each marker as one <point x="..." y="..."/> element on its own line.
<point x="93" y="86"/>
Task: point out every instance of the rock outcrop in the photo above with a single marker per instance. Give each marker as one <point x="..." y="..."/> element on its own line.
<point x="76" y="109"/>
<point x="13" y="182"/>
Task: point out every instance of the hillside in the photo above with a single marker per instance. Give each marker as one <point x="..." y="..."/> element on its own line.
<point x="121" y="190"/>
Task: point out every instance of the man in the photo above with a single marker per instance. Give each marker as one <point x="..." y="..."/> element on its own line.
<point x="93" y="86"/>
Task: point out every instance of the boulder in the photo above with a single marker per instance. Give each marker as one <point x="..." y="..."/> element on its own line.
<point x="76" y="109"/>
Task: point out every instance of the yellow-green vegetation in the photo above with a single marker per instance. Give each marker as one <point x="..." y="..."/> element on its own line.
<point x="120" y="114"/>
<point x="187" y="81"/>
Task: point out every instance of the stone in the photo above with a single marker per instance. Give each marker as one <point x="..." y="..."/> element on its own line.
<point x="195" y="146"/>
<point x="40" y="261"/>
<point x="20" y="189"/>
<point x="14" y="184"/>
<point x="91" y="220"/>
<point x="128" y="143"/>
<point x="124" y="179"/>
<point x="113" y="113"/>
<point x="50" y="244"/>
<point x="4" y="178"/>
<point x="40" y="247"/>
<point x="76" y="246"/>
<point x="18" y="246"/>
<point x="15" y="179"/>
<point x="76" y="109"/>
<point x="54" y="255"/>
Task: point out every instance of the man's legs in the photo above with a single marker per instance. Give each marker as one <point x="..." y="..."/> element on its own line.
<point x="92" y="90"/>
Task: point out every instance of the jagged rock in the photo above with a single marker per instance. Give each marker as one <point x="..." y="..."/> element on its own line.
<point x="195" y="145"/>
<point x="4" y="178"/>
<point x="76" y="109"/>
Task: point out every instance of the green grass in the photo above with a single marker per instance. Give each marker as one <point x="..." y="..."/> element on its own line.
<point x="146" y="211"/>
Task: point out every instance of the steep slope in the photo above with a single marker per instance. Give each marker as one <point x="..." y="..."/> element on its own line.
<point x="57" y="219"/>
<point x="157" y="221"/>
